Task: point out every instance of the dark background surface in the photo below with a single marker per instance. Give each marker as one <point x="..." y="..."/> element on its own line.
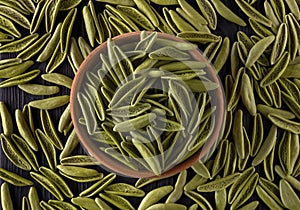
<point x="16" y="99"/>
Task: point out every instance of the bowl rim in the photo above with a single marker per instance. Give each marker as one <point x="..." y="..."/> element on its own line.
<point x="116" y="166"/>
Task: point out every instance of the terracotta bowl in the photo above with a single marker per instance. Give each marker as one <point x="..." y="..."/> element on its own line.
<point x="93" y="62"/>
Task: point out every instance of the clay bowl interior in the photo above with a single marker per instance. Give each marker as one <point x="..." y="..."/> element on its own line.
<point x="93" y="61"/>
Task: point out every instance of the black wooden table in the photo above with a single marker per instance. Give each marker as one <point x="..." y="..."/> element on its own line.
<point x="16" y="99"/>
